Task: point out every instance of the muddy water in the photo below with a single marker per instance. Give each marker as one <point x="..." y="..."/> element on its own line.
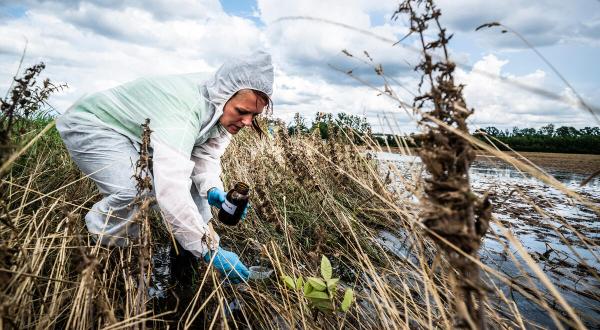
<point x="545" y="222"/>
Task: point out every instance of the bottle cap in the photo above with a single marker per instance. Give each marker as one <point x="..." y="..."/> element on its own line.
<point x="242" y="188"/>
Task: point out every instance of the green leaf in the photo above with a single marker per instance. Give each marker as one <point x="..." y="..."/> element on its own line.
<point x="289" y="282"/>
<point x="317" y="295"/>
<point x="307" y="288"/>
<point x="348" y="295"/>
<point x="331" y="284"/>
<point x="326" y="270"/>
<point x="299" y="282"/>
<point x="317" y="283"/>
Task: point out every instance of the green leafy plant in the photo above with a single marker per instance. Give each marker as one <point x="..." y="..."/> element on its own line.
<point x="321" y="292"/>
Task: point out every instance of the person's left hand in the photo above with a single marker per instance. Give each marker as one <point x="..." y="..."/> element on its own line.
<point x="228" y="264"/>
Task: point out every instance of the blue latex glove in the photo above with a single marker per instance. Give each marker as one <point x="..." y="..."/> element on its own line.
<point x="216" y="197"/>
<point x="228" y="264"/>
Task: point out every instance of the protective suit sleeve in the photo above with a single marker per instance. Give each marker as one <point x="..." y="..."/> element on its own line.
<point x="207" y="168"/>
<point x="172" y="185"/>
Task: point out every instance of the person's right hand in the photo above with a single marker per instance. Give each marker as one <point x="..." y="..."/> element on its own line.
<point x="216" y="197"/>
<point x="228" y="264"/>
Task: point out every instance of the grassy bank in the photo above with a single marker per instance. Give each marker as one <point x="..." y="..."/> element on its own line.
<point x="304" y="207"/>
<point x="309" y="199"/>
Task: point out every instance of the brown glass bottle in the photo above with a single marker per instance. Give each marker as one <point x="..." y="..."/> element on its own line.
<point x="234" y="205"/>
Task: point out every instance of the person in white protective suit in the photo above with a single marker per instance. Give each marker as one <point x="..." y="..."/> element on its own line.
<point x="192" y="118"/>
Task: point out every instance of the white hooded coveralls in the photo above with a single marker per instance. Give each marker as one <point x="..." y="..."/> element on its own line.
<point x="103" y="132"/>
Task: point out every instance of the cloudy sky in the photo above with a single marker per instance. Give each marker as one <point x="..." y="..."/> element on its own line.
<point x="94" y="45"/>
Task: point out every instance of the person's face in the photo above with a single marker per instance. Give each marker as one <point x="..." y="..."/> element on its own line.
<point x="239" y="111"/>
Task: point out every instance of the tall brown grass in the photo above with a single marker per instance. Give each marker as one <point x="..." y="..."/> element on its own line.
<point x="304" y="205"/>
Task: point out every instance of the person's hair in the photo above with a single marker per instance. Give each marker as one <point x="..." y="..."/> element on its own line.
<point x="269" y="108"/>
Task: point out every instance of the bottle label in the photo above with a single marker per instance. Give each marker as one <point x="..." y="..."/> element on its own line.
<point x="229" y="207"/>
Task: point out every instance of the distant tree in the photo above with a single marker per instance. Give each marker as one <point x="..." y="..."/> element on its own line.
<point x="391" y="140"/>
<point x="590" y="131"/>
<point x="357" y="123"/>
<point x="356" y="128"/>
<point x="493" y="131"/>
<point x="567" y="131"/>
<point x="322" y="123"/>
<point x="547" y="130"/>
<point x="516" y="131"/>
<point x="549" y="139"/>
<point x="345" y="126"/>
<point x="298" y="125"/>
<point x="380" y="139"/>
<point x="528" y="132"/>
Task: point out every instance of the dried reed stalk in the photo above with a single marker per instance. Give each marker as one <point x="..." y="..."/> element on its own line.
<point x="450" y="208"/>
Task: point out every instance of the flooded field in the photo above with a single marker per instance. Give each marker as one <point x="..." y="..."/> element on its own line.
<point x="561" y="235"/>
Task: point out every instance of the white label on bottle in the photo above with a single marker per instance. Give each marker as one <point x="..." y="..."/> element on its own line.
<point x="229" y="207"/>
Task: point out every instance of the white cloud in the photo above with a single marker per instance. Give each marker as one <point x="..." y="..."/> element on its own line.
<point x="309" y="95"/>
<point x="94" y="45"/>
<point x="305" y="45"/>
<point x="160" y="9"/>
<point x="498" y="101"/>
<point x="540" y="22"/>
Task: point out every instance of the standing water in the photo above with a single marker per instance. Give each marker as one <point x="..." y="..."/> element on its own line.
<point x="559" y="233"/>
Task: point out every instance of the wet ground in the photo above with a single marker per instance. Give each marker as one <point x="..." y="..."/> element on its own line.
<point x="173" y="284"/>
<point x="559" y="233"/>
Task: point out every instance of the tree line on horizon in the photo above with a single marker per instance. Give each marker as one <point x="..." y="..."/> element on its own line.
<point x="549" y="138"/>
<point x="343" y="126"/>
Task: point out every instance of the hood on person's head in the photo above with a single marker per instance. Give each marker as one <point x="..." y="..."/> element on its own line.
<point x="250" y="72"/>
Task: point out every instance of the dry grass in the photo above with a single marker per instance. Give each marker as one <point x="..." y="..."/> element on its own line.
<point x="310" y="198"/>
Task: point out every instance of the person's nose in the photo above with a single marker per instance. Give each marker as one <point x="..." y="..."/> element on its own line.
<point x="247" y="120"/>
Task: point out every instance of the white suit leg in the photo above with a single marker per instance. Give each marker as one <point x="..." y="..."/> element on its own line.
<point x="109" y="159"/>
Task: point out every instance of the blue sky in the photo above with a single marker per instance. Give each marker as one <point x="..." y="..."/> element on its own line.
<point x="246" y="9"/>
<point x="93" y="45"/>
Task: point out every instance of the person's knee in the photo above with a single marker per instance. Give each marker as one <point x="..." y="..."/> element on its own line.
<point x="123" y="196"/>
